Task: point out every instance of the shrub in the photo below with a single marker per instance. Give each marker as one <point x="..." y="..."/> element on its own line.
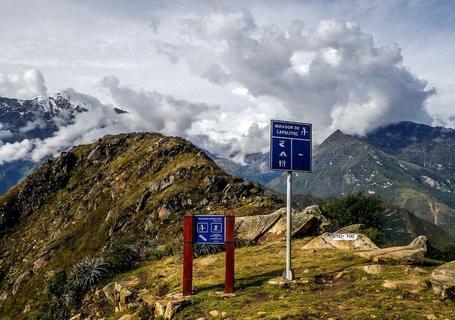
<point x="446" y="254"/>
<point x="57" y="285"/>
<point x="376" y="235"/>
<point x="206" y="249"/>
<point x="121" y="258"/>
<point x="354" y="209"/>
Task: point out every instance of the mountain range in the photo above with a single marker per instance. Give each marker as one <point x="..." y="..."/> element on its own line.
<point x="409" y="164"/>
<point x="38" y="118"/>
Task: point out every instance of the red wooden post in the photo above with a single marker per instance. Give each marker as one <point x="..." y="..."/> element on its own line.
<point x="230" y="247"/>
<point x="187" y="254"/>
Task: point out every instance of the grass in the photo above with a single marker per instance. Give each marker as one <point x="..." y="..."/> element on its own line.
<point x="335" y="287"/>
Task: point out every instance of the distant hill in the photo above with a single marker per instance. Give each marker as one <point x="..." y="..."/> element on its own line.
<point x="408" y="164"/>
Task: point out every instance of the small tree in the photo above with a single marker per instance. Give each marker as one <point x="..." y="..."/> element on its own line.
<point x="354" y="209"/>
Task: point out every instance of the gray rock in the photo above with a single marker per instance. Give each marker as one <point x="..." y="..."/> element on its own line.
<point x="273" y="226"/>
<point x="143" y="200"/>
<point x="95" y="154"/>
<point x="410" y="254"/>
<point x="252" y="228"/>
<point x="443" y="280"/>
<point x="170" y="305"/>
<point x="328" y="241"/>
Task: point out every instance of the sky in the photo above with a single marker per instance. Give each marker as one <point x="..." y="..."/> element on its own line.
<point x="216" y="72"/>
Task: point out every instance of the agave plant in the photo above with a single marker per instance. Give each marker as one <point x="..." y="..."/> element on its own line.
<point x="88" y="272"/>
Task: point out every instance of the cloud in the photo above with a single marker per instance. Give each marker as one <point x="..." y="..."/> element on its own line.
<point x="15" y="151"/>
<point x="150" y="110"/>
<point x="333" y="75"/>
<point x="146" y="111"/>
<point x="25" y="85"/>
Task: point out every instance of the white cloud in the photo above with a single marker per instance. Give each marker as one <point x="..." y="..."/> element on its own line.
<point x="15" y="151"/>
<point x="333" y="75"/>
<point x="26" y="85"/>
<point x="253" y="63"/>
<point x="146" y="111"/>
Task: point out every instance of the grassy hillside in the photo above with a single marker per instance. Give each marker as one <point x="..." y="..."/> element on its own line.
<point x="121" y="190"/>
<point x="331" y="285"/>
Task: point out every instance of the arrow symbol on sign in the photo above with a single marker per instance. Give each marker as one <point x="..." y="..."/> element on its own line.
<point x="281" y="143"/>
<point x="202" y="237"/>
<point x="283" y="154"/>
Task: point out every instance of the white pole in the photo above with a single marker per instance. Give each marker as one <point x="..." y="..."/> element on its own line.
<point x="289" y="274"/>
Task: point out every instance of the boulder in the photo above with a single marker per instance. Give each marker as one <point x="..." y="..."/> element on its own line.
<point x="307" y="228"/>
<point x="410" y="254"/>
<point x="252" y="228"/>
<point x="109" y="292"/>
<point x="170" y="305"/>
<point x="443" y="280"/>
<point x="329" y="241"/>
<point x="303" y="222"/>
<point x="273" y="226"/>
<point x="412" y="285"/>
<point x="119" y="293"/>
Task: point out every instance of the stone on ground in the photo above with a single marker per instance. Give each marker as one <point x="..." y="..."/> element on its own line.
<point x="373" y="268"/>
<point x="327" y="241"/>
<point x="412" y="285"/>
<point x="443" y="280"/>
<point x="410" y="254"/>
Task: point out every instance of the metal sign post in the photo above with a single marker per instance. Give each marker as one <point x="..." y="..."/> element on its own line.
<point x="290" y="150"/>
<point x="288" y="274"/>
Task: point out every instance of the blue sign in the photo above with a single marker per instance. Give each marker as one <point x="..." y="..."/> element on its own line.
<point x="290" y="146"/>
<point x="209" y="229"/>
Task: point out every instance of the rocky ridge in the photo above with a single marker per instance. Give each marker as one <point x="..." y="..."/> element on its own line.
<point x="121" y="189"/>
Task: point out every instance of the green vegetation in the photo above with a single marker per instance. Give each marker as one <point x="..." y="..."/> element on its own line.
<point x="354" y="209"/>
<point x="87" y="210"/>
<point x="331" y="284"/>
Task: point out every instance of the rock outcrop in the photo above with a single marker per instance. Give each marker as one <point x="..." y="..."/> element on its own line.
<point x="410" y="254"/>
<point x="273" y="226"/>
<point x="330" y="241"/>
<point x="443" y="280"/>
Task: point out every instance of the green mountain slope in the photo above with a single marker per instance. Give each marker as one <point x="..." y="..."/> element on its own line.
<point x="120" y="190"/>
<point x="345" y="164"/>
<point x="430" y="147"/>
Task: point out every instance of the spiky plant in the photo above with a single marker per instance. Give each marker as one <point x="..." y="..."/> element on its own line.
<point x="88" y="272"/>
